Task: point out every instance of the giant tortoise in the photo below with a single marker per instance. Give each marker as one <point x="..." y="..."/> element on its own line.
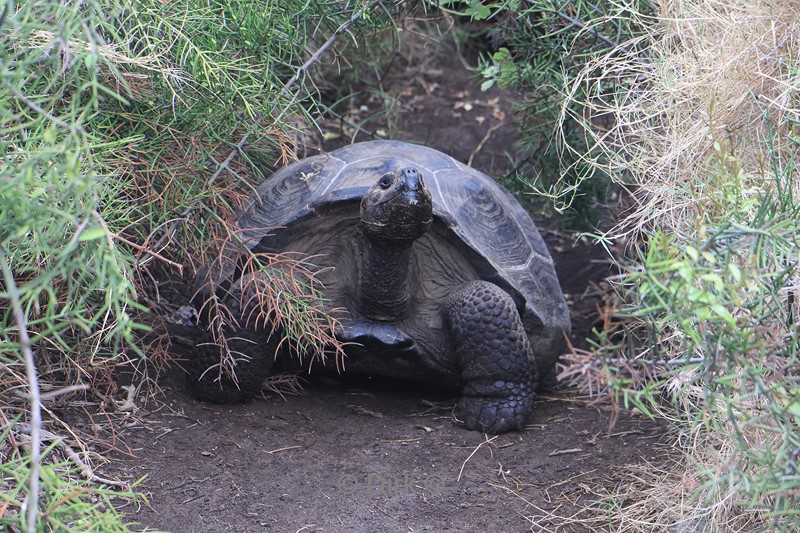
<point x="435" y="271"/>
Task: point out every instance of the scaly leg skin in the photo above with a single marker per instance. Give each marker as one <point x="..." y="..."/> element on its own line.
<point x="251" y="346"/>
<point x="495" y="356"/>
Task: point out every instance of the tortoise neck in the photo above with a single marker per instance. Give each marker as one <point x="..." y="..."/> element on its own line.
<point x="383" y="291"/>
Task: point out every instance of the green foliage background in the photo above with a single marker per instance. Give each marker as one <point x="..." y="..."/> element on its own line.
<point x="114" y="117"/>
<point x="708" y="300"/>
<point x="705" y="140"/>
<point x="542" y="45"/>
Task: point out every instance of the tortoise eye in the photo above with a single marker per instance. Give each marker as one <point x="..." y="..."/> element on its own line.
<point x="385" y="182"/>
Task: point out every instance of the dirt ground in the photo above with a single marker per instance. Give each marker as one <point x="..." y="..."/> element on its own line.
<point x="375" y="455"/>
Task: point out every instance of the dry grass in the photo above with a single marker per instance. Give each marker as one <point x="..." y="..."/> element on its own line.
<point x="694" y="488"/>
<point x="712" y="82"/>
<point x="698" y="120"/>
<point x="735" y="416"/>
<point x="697" y="485"/>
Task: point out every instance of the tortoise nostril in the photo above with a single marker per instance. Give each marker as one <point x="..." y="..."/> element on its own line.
<point x="412" y="179"/>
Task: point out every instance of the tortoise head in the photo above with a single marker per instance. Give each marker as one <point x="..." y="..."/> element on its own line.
<point x="397" y="207"/>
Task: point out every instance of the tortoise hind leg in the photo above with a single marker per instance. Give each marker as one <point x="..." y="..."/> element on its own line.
<point x="496" y="360"/>
<point x="252" y="346"/>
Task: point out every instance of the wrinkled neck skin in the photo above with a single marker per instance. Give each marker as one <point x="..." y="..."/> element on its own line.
<point x="383" y="291"/>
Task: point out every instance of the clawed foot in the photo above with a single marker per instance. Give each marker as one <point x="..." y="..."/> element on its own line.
<point x="496" y="414"/>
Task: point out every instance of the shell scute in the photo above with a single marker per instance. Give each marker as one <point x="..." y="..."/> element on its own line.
<point x="478" y="211"/>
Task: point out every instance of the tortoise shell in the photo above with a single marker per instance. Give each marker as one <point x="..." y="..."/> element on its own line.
<point x="480" y="231"/>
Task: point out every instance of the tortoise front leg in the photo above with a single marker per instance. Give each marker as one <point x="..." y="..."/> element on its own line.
<point x="250" y="343"/>
<point x="495" y="357"/>
<point x="251" y="350"/>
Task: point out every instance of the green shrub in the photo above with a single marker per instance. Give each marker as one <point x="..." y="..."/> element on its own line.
<point x="717" y="325"/>
<point x="540" y="48"/>
<point x="121" y="126"/>
<point x="67" y="503"/>
<point x="704" y="132"/>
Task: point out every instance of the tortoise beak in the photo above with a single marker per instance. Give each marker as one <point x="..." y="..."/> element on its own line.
<point x="412" y="180"/>
<point x="412" y="191"/>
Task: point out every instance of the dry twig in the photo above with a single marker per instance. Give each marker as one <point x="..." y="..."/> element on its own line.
<point x="478" y="447"/>
<point x="69" y="453"/>
<point x="31" y="504"/>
